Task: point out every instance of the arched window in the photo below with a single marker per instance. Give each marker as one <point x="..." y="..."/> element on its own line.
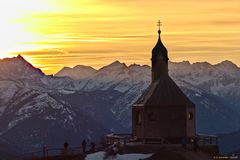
<point x="190" y="116"/>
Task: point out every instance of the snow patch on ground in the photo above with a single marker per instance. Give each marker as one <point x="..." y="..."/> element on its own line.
<point x="132" y="156"/>
<point x="66" y="91"/>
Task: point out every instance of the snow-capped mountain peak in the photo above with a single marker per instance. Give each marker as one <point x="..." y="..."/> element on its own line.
<point x="114" y="65"/>
<point x="229" y="68"/>
<point x="84" y="67"/>
<point x="228" y="64"/>
<point x="78" y="72"/>
<point x="18" y="68"/>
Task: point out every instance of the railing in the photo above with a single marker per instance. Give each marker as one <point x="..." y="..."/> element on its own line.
<point x="128" y="139"/>
<point x="50" y="152"/>
<point x="118" y="138"/>
<point x="203" y="139"/>
<point x="61" y="151"/>
<point x="207" y="140"/>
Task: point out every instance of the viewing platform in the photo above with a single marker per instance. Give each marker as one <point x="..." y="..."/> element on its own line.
<point x="207" y="143"/>
<point x="127" y="144"/>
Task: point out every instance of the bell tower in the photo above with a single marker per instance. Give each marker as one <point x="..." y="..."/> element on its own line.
<point x="159" y="58"/>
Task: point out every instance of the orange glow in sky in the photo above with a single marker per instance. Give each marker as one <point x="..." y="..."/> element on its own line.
<point x="56" y="33"/>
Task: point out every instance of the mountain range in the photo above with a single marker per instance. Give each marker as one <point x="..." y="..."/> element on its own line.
<point x="82" y="102"/>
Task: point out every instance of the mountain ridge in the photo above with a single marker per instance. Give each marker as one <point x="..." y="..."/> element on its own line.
<point x="62" y="105"/>
<point x="225" y="63"/>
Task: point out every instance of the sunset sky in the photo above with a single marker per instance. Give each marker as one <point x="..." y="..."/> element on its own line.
<point x="56" y="33"/>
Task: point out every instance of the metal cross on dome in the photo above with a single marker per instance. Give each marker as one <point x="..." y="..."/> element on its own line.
<point x="159" y="23"/>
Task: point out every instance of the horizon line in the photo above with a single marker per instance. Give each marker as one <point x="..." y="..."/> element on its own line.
<point x="121" y="62"/>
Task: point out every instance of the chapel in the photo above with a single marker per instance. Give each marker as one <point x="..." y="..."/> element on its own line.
<point x="163" y="111"/>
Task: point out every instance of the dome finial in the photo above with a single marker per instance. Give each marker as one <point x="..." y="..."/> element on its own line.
<point x="159" y="23"/>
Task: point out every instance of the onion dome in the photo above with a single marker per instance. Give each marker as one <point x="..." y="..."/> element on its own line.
<point x="159" y="50"/>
